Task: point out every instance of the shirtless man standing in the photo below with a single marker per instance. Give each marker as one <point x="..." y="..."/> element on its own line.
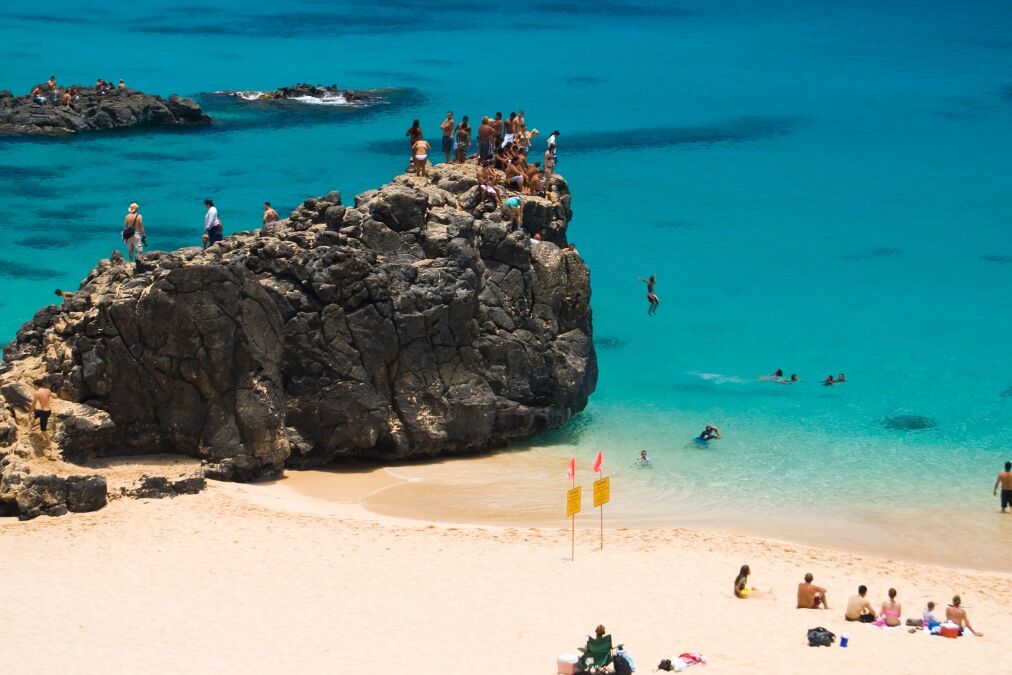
<point x="42" y="408"/>
<point x="270" y="215"/>
<point x="957" y="615"/>
<point x="485" y="135"/>
<point x="447" y="127"/>
<point x="811" y="596"/>
<point x="497" y="127"/>
<point x="1005" y="480"/>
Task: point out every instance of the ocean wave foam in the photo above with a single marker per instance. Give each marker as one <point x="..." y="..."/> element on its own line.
<point x="256" y="95"/>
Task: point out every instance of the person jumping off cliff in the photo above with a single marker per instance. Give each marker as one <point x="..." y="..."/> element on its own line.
<point x="651" y="296"/>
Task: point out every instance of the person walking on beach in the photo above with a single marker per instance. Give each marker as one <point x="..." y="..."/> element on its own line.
<point x="1005" y="480"/>
<point x="463" y="140"/>
<point x="858" y="607"/>
<point x="213" y="229"/>
<point x="447" y="129"/>
<point x="651" y="296"/>
<point x="42" y="408"/>
<point x="133" y="232"/>
<point x="957" y="615"/>
<point x="811" y="596"/>
<point x="270" y="215"/>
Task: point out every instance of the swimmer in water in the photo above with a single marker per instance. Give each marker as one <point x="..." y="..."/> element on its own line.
<point x="841" y="378"/>
<point x="794" y="378"/>
<point x="643" y="459"/>
<point x="651" y="296"/>
<point x="777" y="376"/>
<point x="829" y="381"/>
<point x="709" y="433"/>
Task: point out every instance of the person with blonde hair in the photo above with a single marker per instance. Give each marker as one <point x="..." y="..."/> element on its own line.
<point x="133" y="232"/>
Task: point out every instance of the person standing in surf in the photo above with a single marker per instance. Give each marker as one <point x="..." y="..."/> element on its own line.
<point x="651" y="296"/>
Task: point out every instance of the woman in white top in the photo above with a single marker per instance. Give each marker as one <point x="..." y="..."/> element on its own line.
<point x="212" y="224"/>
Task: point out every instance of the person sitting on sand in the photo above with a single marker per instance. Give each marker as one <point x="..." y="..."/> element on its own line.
<point x="420" y="151"/>
<point x="741" y="588"/>
<point x="957" y="615"/>
<point x="811" y="596"/>
<point x="928" y="618"/>
<point x="892" y="610"/>
<point x="858" y="607"/>
<point x="711" y="432"/>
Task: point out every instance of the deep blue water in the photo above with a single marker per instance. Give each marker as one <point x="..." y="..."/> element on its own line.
<point x="820" y="187"/>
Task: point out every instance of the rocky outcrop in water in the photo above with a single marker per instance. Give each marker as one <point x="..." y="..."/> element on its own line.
<point x="92" y="110"/>
<point x="410" y="324"/>
<point x="301" y="91"/>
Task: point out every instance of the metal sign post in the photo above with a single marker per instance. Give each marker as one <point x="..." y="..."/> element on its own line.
<point x="602" y="493"/>
<point x="573" y="498"/>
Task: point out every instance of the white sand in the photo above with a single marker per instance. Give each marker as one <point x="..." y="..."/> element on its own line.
<point x="261" y="579"/>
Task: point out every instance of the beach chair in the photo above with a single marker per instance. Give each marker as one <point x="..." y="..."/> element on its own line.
<point x="595" y="656"/>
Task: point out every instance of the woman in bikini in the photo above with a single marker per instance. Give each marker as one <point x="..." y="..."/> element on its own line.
<point x="420" y="150"/>
<point x="892" y="610"/>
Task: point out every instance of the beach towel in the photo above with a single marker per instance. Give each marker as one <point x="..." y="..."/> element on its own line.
<point x="683" y="661"/>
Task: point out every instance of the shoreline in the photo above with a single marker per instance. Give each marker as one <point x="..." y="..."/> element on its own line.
<point x="292" y="582"/>
<point x="434" y="497"/>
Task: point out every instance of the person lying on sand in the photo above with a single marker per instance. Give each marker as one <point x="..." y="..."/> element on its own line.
<point x="811" y="596"/>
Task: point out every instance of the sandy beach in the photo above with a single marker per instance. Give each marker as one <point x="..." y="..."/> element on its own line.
<point x="265" y="578"/>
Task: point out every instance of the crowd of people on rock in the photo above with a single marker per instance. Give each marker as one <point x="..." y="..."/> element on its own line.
<point x="50" y="93"/>
<point x="504" y="171"/>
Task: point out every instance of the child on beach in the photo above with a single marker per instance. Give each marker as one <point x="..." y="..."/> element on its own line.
<point x="928" y="619"/>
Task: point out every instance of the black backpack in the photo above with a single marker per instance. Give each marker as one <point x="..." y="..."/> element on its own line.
<point x="820" y="637"/>
<point x="622" y="666"/>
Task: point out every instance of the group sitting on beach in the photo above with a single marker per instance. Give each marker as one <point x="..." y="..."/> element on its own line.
<point x="859" y="608"/>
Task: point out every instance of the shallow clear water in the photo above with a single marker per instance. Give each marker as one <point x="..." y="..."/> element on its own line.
<point x="819" y="188"/>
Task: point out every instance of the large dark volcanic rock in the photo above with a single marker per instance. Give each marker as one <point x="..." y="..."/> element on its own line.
<point x="411" y="324"/>
<point x="93" y="111"/>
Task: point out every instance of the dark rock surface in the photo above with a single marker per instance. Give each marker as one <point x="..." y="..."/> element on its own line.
<point x="159" y="487"/>
<point x="27" y="494"/>
<point x="302" y="90"/>
<point x="94" y="111"/>
<point x="412" y="324"/>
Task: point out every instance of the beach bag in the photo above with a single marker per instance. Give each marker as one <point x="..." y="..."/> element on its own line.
<point x="820" y="637"/>
<point x="127" y="233"/>
<point x="621" y="664"/>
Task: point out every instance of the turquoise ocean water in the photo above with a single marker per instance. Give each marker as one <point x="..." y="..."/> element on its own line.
<point x="820" y="187"/>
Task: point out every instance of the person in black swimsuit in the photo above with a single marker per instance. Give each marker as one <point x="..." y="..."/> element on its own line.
<point x="710" y="432"/>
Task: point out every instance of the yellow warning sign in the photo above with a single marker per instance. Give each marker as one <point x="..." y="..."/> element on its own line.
<point x="573" y="498"/>
<point x="602" y="491"/>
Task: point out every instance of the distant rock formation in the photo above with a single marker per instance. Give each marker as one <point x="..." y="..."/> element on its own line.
<point x="92" y="110"/>
<point x="305" y="91"/>
<point x="412" y="324"/>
